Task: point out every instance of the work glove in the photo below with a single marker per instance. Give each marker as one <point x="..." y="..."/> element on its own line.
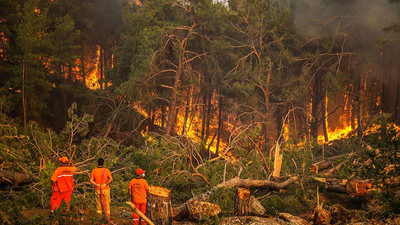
<point x="103" y="185"/>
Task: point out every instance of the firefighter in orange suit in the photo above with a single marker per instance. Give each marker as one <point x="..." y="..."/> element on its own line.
<point x="101" y="179"/>
<point x="63" y="183"/>
<point x="138" y="188"/>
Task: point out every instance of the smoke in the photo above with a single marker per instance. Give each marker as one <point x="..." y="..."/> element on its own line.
<point x="364" y="19"/>
<point x="361" y="22"/>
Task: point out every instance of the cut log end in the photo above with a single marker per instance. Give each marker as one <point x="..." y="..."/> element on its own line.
<point x="159" y="191"/>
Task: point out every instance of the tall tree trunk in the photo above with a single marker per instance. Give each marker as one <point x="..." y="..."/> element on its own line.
<point x="397" y="106"/>
<point x="208" y="116"/>
<point x="163" y="112"/>
<point x="266" y="99"/>
<point x="203" y="116"/>
<point x="101" y="67"/>
<point x="219" y="124"/>
<point x="316" y="99"/>
<point x="325" y="120"/>
<point x="187" y="110"/>
<point x="353" y="112"/>
<point x="23" y="91"/>
<point x="64" y="92"/>
<point x="83" y="72"/>
<point x="359" y="108"/>
<point x="174" y="98"/>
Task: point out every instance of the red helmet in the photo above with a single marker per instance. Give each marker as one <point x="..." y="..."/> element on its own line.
<point x="140" y="171"/>
<point x="64" y="159"/>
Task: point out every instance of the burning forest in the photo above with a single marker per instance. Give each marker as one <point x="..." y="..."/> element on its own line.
<point x="199" y="112"/>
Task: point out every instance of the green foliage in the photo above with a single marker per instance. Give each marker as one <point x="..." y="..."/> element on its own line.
<point x="224" y="197"/>
<point x="280" y="203"/>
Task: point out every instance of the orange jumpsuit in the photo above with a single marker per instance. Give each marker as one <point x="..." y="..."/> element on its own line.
<point x="63" y="186"/>
<point x="138" y="188"/>
<point x="101" y="175"/>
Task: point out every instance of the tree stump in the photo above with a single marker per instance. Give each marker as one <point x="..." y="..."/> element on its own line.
<point x="242" y="201"/>
<point x="159" y="209"/>
<point x="322" y="216"/>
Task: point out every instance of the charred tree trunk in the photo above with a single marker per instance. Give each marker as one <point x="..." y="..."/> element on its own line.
<point x="83" y="72"/>
<point x="325" y="119"/>
<point x="160" y="209"/>
<point x="187" y="110"/>
<point x="219" y="124"/>
<point x="316" y="97"/>
<point x="163" y="112"/>
<point x="208" y="116"/>
<point x="397" y="105"/>
<point x="24" y="109"/>
<point x="359" y="109"/>
<point x="204" y="113"/>
<point x="101" y="60"/>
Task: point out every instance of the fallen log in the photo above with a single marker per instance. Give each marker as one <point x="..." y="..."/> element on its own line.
<point x="195" y="210"/>
<point x="328" y="162"/>
<point x="332" y="170"/>
<point x="351" y="187"/>
<point x="254" y="220"/>
<point x="15" y="178"/>
<point x="293" y="220"/>
<point x="249" y="183"/>
<point x="317" y="167"/>
<point x="160" y="207"/>
<point x="137" y="211"/>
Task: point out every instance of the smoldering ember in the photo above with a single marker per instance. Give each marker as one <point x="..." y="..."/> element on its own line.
<point x="200" y="112"/>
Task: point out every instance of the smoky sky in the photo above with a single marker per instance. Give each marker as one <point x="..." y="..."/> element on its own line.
<point x="361" y="22"/>
<point x="321" y="17"/>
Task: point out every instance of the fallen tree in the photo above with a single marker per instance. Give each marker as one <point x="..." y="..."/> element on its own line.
<point x="198" y="206"/>
<point x="196" y="210"/>
<point x="15" y="178"/>
<point x="351" y="187"/>
<point x="249" y="183"/>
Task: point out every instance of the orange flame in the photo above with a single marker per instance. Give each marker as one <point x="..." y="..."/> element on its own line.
<point x="92" y="79"/>
<point x="192" y="127"/>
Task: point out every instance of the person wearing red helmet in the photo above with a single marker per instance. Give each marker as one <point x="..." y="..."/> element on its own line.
<point x="138" y="188"/>
<point x="63" y="183"/>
